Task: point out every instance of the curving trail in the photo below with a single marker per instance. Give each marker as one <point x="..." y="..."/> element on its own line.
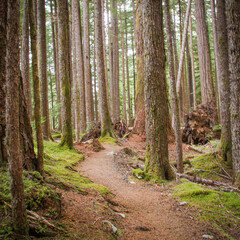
<point x="148" y="206"/>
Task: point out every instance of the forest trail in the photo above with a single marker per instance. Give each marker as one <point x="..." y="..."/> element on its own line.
<point x="151" y="212"/>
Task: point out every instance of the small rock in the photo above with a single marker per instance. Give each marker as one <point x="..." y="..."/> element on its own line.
<point x="111" y="154"/>
<point x="205" y="236"/>
<point x="182" y="203"/>
<point x="132" y="182"/>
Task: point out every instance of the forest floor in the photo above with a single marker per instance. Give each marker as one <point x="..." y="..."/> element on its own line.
<point x="147" y="211"/>
<point x="94" y="195"/>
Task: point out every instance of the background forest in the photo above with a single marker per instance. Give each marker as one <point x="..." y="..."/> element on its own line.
<point x="73" y="72"/>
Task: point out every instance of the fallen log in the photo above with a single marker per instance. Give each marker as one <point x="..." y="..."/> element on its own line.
<point x="204" y="181"/>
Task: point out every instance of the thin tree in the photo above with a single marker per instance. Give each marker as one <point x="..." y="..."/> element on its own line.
<point x="127" y="71"/>
<point x="42" y="66"/>
<point x="233" y="27"/>
<point x="106" y="126"/>
<point x="224" y="82"/>
<point x="192" y="65"/>
<point x="123" y="67"/>
<point x="155" y="91"/>
<point x="174" y="98"/>
<point x="19" y="217"/>
<point x="115" y="65"/>
<point x="36" y="86"/>
<point x="76" y="17"/>
<point x="87" y="69"/>
<point x="3" y="48"/>
<point x="25" y="58"/>
<point x="139" y="123"/>
<point x="189" y="72"/>
<point x="64" y="72"/>
<point x="95" y="78"/>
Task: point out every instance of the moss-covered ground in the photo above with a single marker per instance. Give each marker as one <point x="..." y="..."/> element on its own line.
<point x="220" y="209"/>
<point x="40" y="194"/>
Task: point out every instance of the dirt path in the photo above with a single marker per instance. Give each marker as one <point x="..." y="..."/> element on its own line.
<point x="152" y="213"/>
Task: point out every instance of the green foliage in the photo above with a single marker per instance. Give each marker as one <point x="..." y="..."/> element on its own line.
<point x="221" y="209"/>
<point x="58" y="162"/>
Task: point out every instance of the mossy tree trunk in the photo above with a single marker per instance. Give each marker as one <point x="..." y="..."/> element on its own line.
<point x="224" y="82"/>
<point x="104" y="113"/>
<point x="174" y="98"/>
<point x="19" y="217"/>
<point x="36" y="86"/>
<point x="139" y="123"/>
<point x="25" y="58"/>
<point x="3" y="47"/>
<point x="64" y="72"/>
<point x="233" y="27"/>
<point x="87" y="69"/>
<point x="42" y="66"/>
<point x="155" y="91"/>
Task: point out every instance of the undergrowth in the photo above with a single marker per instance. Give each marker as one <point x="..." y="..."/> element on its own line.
<point x="220" y="209"/>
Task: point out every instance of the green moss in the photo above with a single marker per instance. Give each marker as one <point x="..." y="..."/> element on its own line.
<point x="56" y="135"/>
<point x="58" y="161"/>
<point x="221" y="209"/>
<point x="140" y="174"/>
<point x="107" y="139"/>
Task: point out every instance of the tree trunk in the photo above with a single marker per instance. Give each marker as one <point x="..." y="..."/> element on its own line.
<point x="25" y="58"/>
<point x="174" y="98"/>
<point x="233" y="27"/>
<point x="207" y="90"/>
<point x="155" y="91"/>
<point x="106" y="127"/>
<point x="87" y="69"/>
<point x="115" y="94"/>
<point x="95" y="79"/>
<point x="3" y="48"/>
<point x="224" y="82"/>
<point x="64" y="72"/>
<point x="36" y="86"/>
<point x="139" y="123"/>
<point x="192" y="65"/>
<point x="19" y="217"/>
<point x="80" y="70"/>
<point x="127" y="68"/>
<point x="123" y="68"/>
<point x="42" y="65"/>
<point x="75" y="81"/>
<point x="56" y="59"/>
<point x="52" y="101"/>
<point x="214" y="29"/>
<point x="189" y="71"/>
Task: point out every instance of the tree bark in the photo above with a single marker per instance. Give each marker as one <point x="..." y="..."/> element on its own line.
<point x="64" y="72"/>
<point x="3" y="48"/>
<point x="123" y="68"/>
<point x="87" y="69"/>
<point x="95" y="79"/>
<point x="224" y="82"/>
<point x="80" y="69"/>
<point x="25" y="58"/>
<point x="42" y="65"/>
<point x="155" y="91"/>
<point x="115" y="61"/>
<point x="189" y="71"/>
<point x="127" y="68"/>
<point x="174" y="98"/>
<point x="207" y="90"/>
<point x="139" y="123"/>
<point x="233" y="27"/>
<point x="36" y="86"/>
<point x="75" y="81"/>
<point x="106" y="126"/>
<point x="19" y="218"/>
<point x="193" y="66"/>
